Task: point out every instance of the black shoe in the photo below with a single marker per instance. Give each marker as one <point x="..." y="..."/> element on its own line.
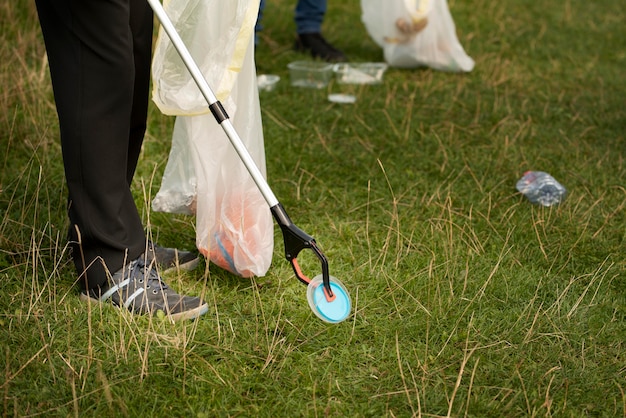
<point x="319" y="47"/>
<point x="139" y="288"/>
<point x="172" y="259"/>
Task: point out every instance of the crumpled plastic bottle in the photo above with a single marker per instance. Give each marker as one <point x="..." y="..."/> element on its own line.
<point x="541" y="188"/>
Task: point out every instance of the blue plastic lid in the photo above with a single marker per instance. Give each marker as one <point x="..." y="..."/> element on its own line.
<point x="334" y="311"/>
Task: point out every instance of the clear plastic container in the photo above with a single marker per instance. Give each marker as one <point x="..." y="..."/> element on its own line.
<point x="310" y="74"/>
<point x="541" y="188"/>
<point x="360" y="73"/>
<point x="267" y="82"/>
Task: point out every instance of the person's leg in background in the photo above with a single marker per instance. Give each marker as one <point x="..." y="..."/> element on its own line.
<point x="258" y="27"/>
<point x="309" y="16"/>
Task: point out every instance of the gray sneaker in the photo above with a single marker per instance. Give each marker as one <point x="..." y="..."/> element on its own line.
<point x="139" y="288"/>
<point x="172" y="259"/>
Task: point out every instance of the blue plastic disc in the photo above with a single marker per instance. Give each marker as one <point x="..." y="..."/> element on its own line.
<point x="334" y="311"/>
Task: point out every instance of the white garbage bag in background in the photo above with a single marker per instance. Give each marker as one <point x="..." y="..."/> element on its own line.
<point x="416" y="33"/>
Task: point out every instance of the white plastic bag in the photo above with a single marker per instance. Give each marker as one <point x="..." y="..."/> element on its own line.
<point x="416" y="33"/>
<point x="179" y="184"/>
<point x="217" y="34"/>
<point x="204" y="175"/>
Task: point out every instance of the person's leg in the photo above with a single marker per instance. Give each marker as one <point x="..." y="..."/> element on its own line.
<point x="141" y="25"/>
<point x="97" y="70"/>
<point x="258" y="27"/>
<point x="99" y="53"/>
<point x="309" y="16"/>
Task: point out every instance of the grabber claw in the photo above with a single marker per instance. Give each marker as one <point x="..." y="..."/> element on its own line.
<point x="297" y="240"/>
<point x="327" y="296"/>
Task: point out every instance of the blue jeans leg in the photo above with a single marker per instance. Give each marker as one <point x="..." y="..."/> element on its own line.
<point x="258" y="27"/>
<point x="309" y="15"/>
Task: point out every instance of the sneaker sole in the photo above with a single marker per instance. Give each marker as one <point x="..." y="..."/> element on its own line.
<point x="191" y="314"/>
<point x="188" y="266"/>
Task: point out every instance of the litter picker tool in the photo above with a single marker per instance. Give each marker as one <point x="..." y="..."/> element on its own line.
<point x="327" y="296"/>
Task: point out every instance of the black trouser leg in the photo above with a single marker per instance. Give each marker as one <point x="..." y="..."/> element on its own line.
<point x="99" y="55"/>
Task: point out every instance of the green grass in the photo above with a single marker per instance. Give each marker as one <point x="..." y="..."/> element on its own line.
<point x="467" y="299"/>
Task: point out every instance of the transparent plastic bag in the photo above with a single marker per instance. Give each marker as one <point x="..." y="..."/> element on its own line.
<point x="204" y="174"/>
<point x="179" y="184"/>
<point x="416" y="33"/>
<point x="541" y="188"/>
<point x="217" y="34"/>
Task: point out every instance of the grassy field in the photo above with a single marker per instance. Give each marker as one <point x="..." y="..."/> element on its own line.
<point x="467" y="299"/>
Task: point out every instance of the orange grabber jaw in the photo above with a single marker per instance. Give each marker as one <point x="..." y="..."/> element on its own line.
<point x="297" y="240"/>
